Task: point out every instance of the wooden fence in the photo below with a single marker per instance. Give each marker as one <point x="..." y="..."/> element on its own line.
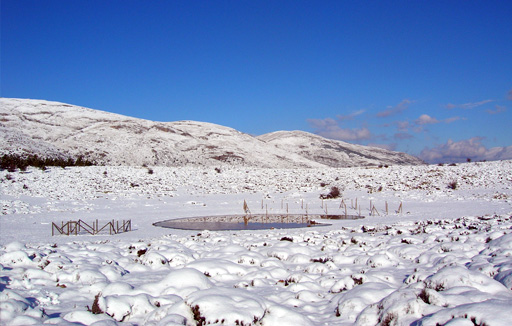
<point x="81" y="227"/>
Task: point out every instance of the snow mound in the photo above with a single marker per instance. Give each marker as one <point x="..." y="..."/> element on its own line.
<point x="227" y="306"/>
<point x="444" y="259"/>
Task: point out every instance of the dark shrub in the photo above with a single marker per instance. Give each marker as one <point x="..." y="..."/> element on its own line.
<point x="96" y="310"/>
<point x="452" y="185"/>
<point x="12" y="162"/>
<point x="334" y="193"/>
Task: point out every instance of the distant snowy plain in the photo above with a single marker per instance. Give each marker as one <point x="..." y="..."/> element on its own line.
<point x="446" y="259"/>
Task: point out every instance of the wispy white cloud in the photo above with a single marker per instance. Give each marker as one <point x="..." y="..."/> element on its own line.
<point x="351" y="115"/>
<point x="403" y="135"/>
<point x="321" y="124"/>
<point x="418" y="129"/>
<point x="460" y="151"/>
<point x="402" y="125"/>
<point x="425" y="119"/>
<point x="499" y="109"/>
<point x="329" y="128"/>
<point x="453" y="119"/>
<point x="393" y="110"/>
<point x="467" y="106"/>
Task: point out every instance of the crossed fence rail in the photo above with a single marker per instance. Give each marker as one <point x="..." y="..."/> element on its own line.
<point x="82" y="227"/>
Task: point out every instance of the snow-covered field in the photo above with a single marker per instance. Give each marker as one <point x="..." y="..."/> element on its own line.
<point x="445" y="259"/>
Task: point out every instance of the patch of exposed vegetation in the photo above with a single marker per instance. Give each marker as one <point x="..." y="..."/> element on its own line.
<point x="13" y="162"/>
<point x="334" y="193"/>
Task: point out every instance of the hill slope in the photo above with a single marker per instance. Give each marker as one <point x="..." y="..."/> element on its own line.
<point x="334" y="153"/>
<point x="55" y="129"/>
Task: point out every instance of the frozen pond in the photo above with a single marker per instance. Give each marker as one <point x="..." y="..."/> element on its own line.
<point x="249" y="222"/>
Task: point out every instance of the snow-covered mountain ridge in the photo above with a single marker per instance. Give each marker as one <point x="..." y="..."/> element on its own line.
<point x="334" y="153"/>
<point x="55" y="129"/>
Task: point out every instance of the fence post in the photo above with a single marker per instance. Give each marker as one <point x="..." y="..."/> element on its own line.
<point x="75" y="227"/>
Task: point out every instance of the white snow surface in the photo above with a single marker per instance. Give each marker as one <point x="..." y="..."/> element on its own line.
<point x="56" y="129"/>
<point x="446" y="259"/>
<point x="334" y="153"/>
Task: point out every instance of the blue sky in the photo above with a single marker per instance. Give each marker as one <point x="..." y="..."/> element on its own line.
<point x="430" y="78"/>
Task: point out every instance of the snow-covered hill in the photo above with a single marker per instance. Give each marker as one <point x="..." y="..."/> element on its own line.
<point x="52" y="129"/>
<point x="334" y="153"/>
